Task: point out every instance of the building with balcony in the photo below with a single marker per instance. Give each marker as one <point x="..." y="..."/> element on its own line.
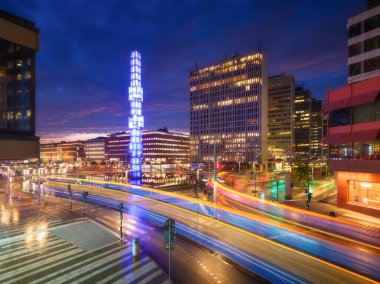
<point x="94" y="149"/>
<point x="354" y="144"/>
<point x="364" y="44"/>
<point x="229" y="108"/>
<point x="281" y="96"/>
<point x="19" y="42"/>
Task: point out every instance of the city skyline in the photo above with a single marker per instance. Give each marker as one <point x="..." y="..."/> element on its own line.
<point x="90" y="46"/>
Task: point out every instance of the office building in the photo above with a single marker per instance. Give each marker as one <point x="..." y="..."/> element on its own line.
<point x="364" y="44"/>
<point x="63" y="152"/>
<point x="281" y="96"/>
<point x="318" y="130"/>
<point x="302" y="123"/>
<point x="229" y="108"/>
<point x="19" y="42"/>
<point x="94" y="149"/>
<point x="354" y="144"/>
<point x="161" y="147"/>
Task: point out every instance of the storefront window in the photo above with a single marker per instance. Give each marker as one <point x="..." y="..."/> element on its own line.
<point x="364" y="193"/>
<point x="341" y="151"/>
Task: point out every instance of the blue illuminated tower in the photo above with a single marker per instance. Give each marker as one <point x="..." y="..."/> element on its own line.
<point x="136" y="120"/>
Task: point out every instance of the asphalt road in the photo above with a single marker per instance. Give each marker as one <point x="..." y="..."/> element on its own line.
<point x="294" y="261"/>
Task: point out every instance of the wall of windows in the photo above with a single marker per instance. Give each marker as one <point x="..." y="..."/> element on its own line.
<point x="364" y="193"/>
<point x="360" y="113"/>
<point x="367" y="112"/>
<point x="356" y="151"/>
<point x="16" y="89"/>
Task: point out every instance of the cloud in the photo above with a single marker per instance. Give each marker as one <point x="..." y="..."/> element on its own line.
<point x="83" y="71"/>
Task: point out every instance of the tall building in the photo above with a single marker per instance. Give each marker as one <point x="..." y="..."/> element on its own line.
<point x="94" y="149"/>
<point x="281" y="96"/>
<point x="318" y="129"/>
<point x="364" y="44"/>
<point x="19" y="42"/>
<point x="302" y="123"/>
<point x="354" y="144"/>
<point x="229" y="108"/>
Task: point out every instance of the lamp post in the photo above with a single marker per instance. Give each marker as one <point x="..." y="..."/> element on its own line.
<point x="277" y="184"/>
<point x="121" y="221"/>
<point x="215" y="178"/>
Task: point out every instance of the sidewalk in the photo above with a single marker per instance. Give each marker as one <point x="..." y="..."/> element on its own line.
<point x="325" y="209"/>
<point x="41" y="244"/>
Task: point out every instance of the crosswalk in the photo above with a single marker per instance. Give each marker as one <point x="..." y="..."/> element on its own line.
<point x="30" y="252"/>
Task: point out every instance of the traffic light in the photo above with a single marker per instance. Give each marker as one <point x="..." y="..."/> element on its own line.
<point x="169" y="235"/>
<point x="309" y="196"/>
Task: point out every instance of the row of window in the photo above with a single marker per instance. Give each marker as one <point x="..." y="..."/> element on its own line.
<point x="371" y="64"/>
<point x="361" y="113"/>
<point x="368" y="45"/>
<point x="365" y="26"/>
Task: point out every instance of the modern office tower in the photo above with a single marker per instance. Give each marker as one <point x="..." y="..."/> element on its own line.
<point x="318" y="130"/>
<point x="19" y="42"/>
<point x="354" y="144"/>
<point x="170" y="150"/>
<point x="364" y="44"/>
<point x="281" y="96"/>
<point x="229" y="108"/>
<point x="302" y="123"/>
<point x="94" y="149"/>
<point x="136" y="121"/>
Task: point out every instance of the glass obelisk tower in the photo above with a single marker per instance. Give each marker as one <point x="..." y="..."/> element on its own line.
<point x="136" y="120"/>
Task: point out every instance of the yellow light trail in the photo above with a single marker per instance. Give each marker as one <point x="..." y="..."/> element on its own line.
<point x="236" y="228"/>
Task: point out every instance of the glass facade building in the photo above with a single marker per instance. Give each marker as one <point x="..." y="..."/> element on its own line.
<point x="364" y="44"/>
<point x="302" y="123"/>
<point x="19" y="42"/>
<point x="281" y="95"/>
<point x="229" y="108"/>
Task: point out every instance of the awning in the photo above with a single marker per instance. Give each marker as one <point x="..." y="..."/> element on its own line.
<point x="364" y="135"/>
<point x="336" y="105"/>
<point x="363" y="99"/>
<point x="336" y="138"/>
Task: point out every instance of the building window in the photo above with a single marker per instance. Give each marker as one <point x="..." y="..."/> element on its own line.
<point x="364" y="193"/>
<point x="372" y="23"/>
<point x="372" y="43"/>
<point x="354" y="30"/>
<point x="372" y="64"/>
<point x="340" y="117"/>
<point x="354" y="69"/>
<point x="367" y="112"/>
<point x="354" y="49"/>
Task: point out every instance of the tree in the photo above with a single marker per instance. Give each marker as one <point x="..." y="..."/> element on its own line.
<point x="300" y="172"/>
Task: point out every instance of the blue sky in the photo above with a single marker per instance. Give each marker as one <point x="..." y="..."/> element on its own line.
<point x="83" y="71"/>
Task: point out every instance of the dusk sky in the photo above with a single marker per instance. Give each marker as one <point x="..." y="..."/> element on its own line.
<point x="83" y="63"/>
